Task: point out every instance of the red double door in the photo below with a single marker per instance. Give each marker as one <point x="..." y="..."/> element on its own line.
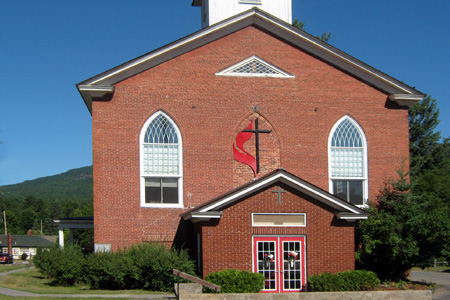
<point x="282" y="262"/>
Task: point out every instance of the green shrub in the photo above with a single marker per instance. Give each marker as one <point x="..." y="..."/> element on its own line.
<point x="111" y="271"/>
<point x="65" y="265"/>
<point x="155" y="264"/>
<point x="236" y="281"/>
<point x="359" y="280"/>
<point x="145" y="266"/>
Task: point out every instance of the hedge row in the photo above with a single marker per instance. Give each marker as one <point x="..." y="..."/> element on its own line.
<point x="359" y="280"/>
<point x="145" y="266"/>
<point x="236" y="281"/>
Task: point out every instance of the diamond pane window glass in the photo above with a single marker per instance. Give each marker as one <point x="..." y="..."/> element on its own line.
<point x="161" y="131"/>
<point x="347" y="152"/>
<point x="254" y="67"/>
<point x="161" y="149"/>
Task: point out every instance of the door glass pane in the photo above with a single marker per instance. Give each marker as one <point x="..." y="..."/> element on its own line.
<point x="267" y="263"/>
<point x="292" y="265"/>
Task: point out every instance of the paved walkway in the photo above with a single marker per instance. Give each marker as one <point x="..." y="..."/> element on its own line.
<point x="440" y="278"/>
<point x="15" y="293"/>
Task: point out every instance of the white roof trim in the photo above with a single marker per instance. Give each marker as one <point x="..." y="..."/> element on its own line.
<point x="256" y="17"/>
<point x="202" y="33"/>
<point x="341" y="57"/>
<point x="277" y="72"/>
<point x="199" y="216"/>
<point x="405" y="99"/>
<point x="280" y="176"/>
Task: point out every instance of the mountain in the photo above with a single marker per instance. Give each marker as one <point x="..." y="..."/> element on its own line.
<point x="75" y="184"/>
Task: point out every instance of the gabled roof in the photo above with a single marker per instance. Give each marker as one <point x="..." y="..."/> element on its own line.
<point x="30" y="241"/>
<point x="212" y="209"/>
<point x="101" y="86"/>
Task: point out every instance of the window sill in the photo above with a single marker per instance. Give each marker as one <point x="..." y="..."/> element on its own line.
<point x="155" y="205"/>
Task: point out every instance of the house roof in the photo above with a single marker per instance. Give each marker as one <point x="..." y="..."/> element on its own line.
<point x="101" y="86"/>
<point x="212" y="209"/>
<point x="30" y="241"/>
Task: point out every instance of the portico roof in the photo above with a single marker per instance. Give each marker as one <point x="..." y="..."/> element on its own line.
<point x="212" y="209"/>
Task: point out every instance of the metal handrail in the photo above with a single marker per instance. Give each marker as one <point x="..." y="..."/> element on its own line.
<point x="193" y="279"/>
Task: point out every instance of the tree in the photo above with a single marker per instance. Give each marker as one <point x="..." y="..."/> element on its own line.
<point x="403" y="231"/>
<point x="27" y="219"/>
<point x="301" y="25"/>
<point x="426" y="149"/>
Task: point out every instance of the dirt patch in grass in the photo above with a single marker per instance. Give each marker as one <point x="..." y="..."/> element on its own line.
<point x="405" y="285"/>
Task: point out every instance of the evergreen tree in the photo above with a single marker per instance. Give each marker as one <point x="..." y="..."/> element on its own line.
<point x="301" y="25"/>
<point x="427" y="149"/>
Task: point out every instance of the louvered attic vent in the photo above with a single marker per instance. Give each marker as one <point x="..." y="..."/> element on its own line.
<point x="254" y="67"/>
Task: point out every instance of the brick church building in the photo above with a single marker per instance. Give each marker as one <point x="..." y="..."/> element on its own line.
<point x="250" y="142"/>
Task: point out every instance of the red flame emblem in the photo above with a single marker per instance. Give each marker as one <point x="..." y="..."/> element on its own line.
<point x="244" y="157"/>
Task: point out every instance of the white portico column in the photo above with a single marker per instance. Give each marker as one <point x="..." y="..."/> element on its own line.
<point x="61" y="237"/>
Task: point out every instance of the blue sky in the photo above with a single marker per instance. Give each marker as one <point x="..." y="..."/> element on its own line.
<point x="46" y="47"/>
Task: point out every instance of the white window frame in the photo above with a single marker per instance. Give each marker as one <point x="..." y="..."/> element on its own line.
<point x="283" y="214"/>
<point x="365" y="176"/>
<point x="143" y="176"/>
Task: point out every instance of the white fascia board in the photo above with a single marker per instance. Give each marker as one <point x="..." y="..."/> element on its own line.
<point x="304" y="188"/>
<point x="87" y="224"/>
<point x="406" y="99"/>
<point x="96" y="90"/>
<point x="312" y="45"/>
<point x="199" y="216"/>
<point x="351" y="217"/>
<point x="345" y="60"/>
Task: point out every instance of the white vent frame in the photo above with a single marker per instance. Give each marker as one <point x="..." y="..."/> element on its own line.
<point x="258" y="2"/>
<point x="278" y="73"/>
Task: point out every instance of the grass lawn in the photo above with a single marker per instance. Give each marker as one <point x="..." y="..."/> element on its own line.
<point x="445" y="269"/>
<point x="10" y="267"/>
<point x="32" y="281"/>
<point x="3" y="297"/>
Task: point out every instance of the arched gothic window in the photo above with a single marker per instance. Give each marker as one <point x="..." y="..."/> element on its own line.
<point x="348" y="161"/>
<point x="161" y="162"/>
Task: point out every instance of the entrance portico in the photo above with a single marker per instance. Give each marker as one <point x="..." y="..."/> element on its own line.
<point x="72" y="223"/>
<point x="278" y="225"/>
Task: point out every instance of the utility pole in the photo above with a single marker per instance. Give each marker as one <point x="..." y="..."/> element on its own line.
<point x="4" y="219"/>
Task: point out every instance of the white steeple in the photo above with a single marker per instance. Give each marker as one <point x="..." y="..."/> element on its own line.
<point x="214" y="11"/>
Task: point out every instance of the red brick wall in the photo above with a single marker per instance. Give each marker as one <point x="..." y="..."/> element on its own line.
<point x="329" y="242"/>
<point x="210" y="110"/>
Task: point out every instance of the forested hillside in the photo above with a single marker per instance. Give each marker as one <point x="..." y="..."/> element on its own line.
<point x="44" y="199"/>
<point x="75" y="184"/>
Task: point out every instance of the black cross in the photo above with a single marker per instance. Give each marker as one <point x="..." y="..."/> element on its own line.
<point x="279" y="191"/>
<point x="257" y="131"/>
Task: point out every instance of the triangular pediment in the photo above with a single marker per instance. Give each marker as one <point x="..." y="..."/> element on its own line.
<point x="212" y="209"/>
<point x="101" y="87"/>
<point x="254" y="67"/>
